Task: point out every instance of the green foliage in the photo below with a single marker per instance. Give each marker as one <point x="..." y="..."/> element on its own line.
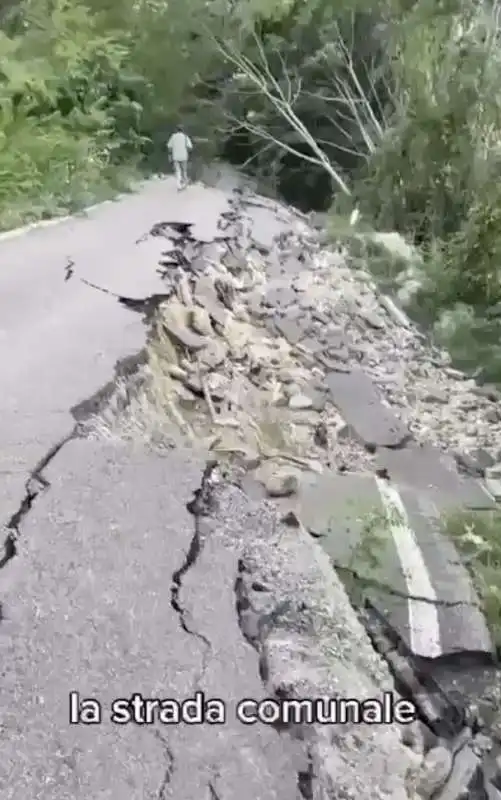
<point x="436" y="174"/>
<point x="86" y="95"/>
<point x="476" y="535"/>
<point x="61" y="105"/>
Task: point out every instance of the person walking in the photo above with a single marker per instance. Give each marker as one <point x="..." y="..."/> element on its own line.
<point x="180" y="146"/>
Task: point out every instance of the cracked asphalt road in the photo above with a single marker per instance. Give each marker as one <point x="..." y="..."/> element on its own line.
<point x="60" y="340"/>
<point x="101" y="595"/>
<point x="89" y="609"/>
<point x="111" y="592"/>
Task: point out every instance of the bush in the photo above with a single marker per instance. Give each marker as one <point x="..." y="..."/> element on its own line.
<point x="58" y="100"/>
<point x="436" y="174"/>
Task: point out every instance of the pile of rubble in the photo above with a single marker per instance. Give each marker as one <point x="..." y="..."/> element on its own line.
<point x="256" y="322"/>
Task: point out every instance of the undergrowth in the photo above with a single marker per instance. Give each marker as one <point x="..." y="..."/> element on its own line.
<point x="477" y="536"/>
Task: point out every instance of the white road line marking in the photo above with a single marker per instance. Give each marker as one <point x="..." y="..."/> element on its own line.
<point x="423" y="617"/>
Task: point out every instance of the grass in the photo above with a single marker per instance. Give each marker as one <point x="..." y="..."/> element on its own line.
<point x="477" y="536"/>
<point x="363" y="568"/>
<point x="31" y="206"/>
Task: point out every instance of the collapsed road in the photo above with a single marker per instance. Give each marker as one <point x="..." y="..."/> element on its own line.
<point x="269" y="356"/>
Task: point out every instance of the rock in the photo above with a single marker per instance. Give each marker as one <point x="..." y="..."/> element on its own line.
<point x="306" y="303"/>
<point x="493" y="415"/>
<point x="282" y="484"/>
<point x="318" y="399"/>
<point x="218" y="385"/>
<point x="474" y="463"/>
<point x="288" y="375"/>
<point x="436" y="396"/>
<point x="255" y="304"/>
<point x="456" y="374"/>
<point x="435" y="769"/>
<point x="482" y="458"/>
<point x="176" y="372"/>
<point x="205" y="295"/>
<point x="496" y="778"/>
<point x="234" y="262"/>
<point x="200" y="321"/>
<point x="300" y="402"/>
<point x="320" y="316"/>
<point x="336" y="364"/>
<point x="290" y="329"/>
<point x="372" y="319"/>
<point x="412" y="736"/>
<point x="494" y="487"/>
<point x="302" y="282"/>
<point x="291" y="519"/>
<point x="240" y="313"/>
<point x="280" y="297"/>
<point x="312" y="344"/>
<point x="291" y="389"/>
<point x="174" y="320"/>
<point x="225" y="292"/>
<point x="466" y="780"/>
<point x="395" y="312"/>
<point x="489" y="392"/>
<point x="185" y="398"/>
<point x="213" y="355"/>
<point x="292" y="266"/>
<point x="481" y="744"/>
<point x="493" y="471"/>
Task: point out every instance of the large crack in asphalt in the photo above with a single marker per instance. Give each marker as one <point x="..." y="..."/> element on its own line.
<point x="35" y="484"/>
<point x="124" y="370"/>
<point x="365" y="582"/>
<point x="163" y="789"/>
<point x="200" y="507"/>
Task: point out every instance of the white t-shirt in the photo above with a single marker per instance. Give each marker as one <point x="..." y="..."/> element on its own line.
<point x="179" y="145"/>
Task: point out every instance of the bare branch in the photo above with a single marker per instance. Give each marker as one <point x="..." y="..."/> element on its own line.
<point x="268" y="85"/>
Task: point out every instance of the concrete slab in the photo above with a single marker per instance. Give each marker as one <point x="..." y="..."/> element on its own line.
<point x="357" y="399"/>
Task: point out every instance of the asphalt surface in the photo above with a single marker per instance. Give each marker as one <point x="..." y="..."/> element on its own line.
<point x="60" y="340"/>
<point x="87" y="603"/>
<point x="90" y="611"/>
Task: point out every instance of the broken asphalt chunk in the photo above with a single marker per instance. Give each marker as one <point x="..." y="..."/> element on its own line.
<point x="424" y="468"/>
<point x="205" y="294"/>
<point x="357" y="399"/>
<point x="175" y="323"/>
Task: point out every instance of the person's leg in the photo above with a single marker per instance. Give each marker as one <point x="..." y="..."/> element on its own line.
<point x="179" y="174"/>
<point x="184" y="172"/>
